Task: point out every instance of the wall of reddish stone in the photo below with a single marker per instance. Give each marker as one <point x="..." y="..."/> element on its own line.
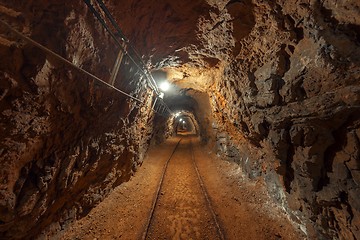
<point x="287" y="108"/>
<point x="65" y="140"/>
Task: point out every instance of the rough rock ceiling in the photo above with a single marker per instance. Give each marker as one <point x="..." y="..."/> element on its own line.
<point x="168" y="44"/>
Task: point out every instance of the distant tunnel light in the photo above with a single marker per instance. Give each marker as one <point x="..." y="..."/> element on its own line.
<point x="164" y="86"/>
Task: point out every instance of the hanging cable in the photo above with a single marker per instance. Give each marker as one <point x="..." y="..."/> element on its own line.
<point x="143" y="68"/>
<point x="57" y="56"/>
<point x="121" y="34"/>
<point x="112" y="20"/>
<point x="130" y="48"/>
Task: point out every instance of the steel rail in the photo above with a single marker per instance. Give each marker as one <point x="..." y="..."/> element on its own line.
<point x="209" y="205"/>
<point x="203" y="190"/>
<point x="62" y="59"/>
<point x="157" y="193"/>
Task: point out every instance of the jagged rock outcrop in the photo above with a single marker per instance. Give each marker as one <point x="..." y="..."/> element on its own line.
<point x="287" y="107"/>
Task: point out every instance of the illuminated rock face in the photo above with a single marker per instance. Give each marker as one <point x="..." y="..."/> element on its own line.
<point x="293" y="93"/>
<point x="283" y="84"/>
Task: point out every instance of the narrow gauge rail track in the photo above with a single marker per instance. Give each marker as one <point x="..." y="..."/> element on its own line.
<point x="177" y="209"/>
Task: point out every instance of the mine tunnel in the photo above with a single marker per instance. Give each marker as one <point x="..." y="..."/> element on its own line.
<point x="203" y="119"/>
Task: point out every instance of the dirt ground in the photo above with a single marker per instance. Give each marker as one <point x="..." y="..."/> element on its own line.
<point x="242" y="209"/>
<point x="181" y="211"/>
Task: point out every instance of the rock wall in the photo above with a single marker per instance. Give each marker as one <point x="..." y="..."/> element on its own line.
<point x="287" y="107"/>
<point x="66" y="141"/>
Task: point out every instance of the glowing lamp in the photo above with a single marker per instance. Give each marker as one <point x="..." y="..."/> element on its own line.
<point x="164" y="86"/>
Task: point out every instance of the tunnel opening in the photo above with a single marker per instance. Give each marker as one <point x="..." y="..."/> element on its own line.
<point x="184" y="123"/>
<point x="193" y="107"/>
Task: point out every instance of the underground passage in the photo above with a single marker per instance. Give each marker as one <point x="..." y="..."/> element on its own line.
<point x="202" y="119"/>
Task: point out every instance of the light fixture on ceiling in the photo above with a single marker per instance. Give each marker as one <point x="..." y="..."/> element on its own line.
<point x="164" y="86"/>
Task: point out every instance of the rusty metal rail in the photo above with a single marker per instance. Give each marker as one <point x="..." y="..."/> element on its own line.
<point x="203" y="190"/>
<point x="157" y="193"/>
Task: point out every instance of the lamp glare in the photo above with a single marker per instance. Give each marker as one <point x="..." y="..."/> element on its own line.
<point x="164" y="86"/>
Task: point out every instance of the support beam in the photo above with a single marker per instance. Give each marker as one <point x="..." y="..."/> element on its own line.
<point x="154" y="103"/>
<point x="117" y="64"/>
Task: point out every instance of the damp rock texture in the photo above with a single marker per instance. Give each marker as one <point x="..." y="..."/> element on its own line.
<point x="65" y="141"/>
